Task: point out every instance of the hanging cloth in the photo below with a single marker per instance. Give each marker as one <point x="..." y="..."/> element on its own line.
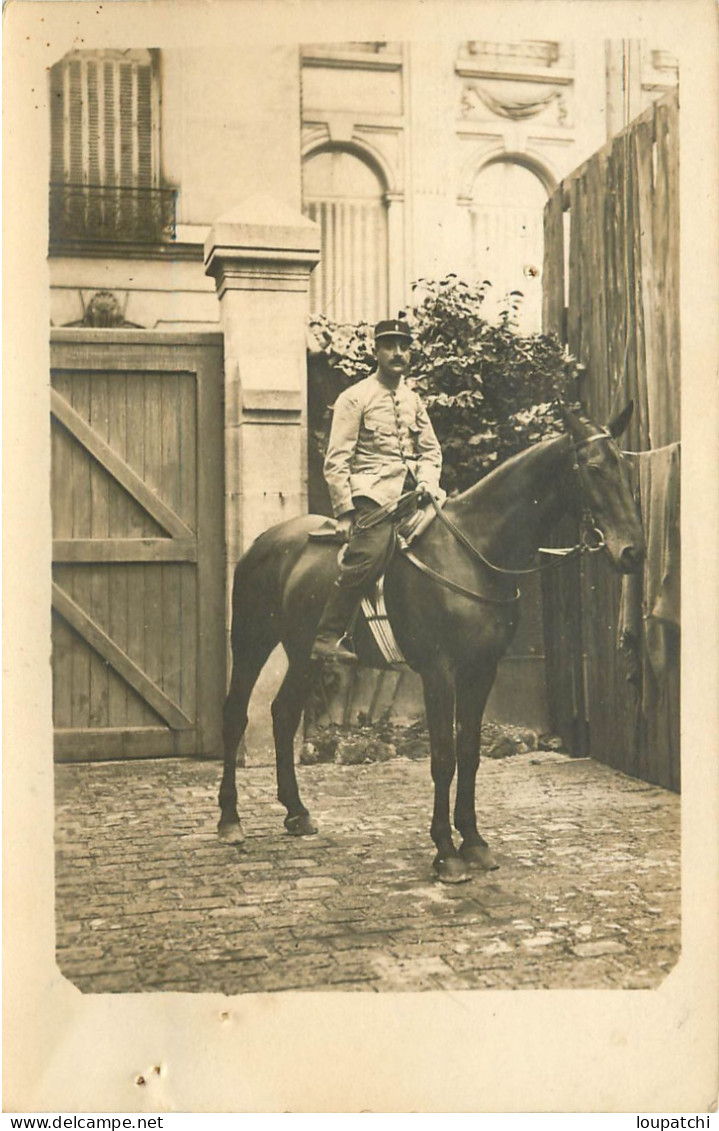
<point x="650" y="608"/>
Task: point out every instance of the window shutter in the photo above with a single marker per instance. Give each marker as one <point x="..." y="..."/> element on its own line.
<point x="57" y="124"/>
<point x="144" y="126"/>
<point x="102" y="127"/>
<point x="94" y="174"/>
<point x="127" y="126"/>
<point x="74" y="164"/>
<point x="110" y="103"/>
<point x="104" y="149"/>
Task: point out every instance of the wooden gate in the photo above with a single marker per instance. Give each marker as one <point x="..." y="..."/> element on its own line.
<point x="612" y="294"/>
<point x="138" y="639"/>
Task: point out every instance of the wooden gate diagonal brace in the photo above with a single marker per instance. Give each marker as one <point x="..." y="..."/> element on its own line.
<point x="117" y="468"/>
<point x="93" y="635"/>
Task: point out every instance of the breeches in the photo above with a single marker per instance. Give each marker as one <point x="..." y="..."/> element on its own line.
<point x="368" y="551"/>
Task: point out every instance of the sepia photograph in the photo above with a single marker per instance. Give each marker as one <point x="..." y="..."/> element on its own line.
<point x="362" y="494"/>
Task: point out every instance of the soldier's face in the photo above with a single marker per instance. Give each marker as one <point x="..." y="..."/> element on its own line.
<point x="392" y="355"/>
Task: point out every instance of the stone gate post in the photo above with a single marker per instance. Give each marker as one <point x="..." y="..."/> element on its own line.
<point x="260" y="255"/>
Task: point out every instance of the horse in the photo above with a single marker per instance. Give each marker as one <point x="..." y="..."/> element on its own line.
<point x="453" y="608"/>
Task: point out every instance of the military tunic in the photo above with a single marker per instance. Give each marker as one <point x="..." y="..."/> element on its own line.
<point x="378" y="435"/>
<point x="381" y="444"/>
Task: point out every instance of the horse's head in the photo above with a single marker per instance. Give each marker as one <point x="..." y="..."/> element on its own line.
<point x="610" y="515"/>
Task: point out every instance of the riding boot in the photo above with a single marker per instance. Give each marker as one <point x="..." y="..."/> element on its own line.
<point x="330" y="643"/>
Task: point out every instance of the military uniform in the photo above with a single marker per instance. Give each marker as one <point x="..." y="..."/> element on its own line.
<point x="381" y="444"/>
<point x="378" y="437"/>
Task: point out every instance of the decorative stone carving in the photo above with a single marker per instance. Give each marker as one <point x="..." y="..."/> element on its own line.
<point x="476" y="97"/>
<point x="103" y="311"/>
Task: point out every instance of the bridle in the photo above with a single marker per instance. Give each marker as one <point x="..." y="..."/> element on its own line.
<point x="591" y="540"/>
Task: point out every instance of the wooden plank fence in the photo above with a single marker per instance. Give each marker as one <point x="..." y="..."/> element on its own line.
<point x="611" y="272"/>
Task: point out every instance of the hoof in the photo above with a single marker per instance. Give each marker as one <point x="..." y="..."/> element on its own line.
<point x="451" y="870"/>
<point x="231" y="833"/>
<point x="300" y="825"/>
<point x="478" y="856"/>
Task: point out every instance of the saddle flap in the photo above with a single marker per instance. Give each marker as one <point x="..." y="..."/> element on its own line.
<point x="328" y="532"/>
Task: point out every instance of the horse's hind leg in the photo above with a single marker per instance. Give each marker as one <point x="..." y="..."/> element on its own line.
<point x="286" y="713"/>
<point x="472" y="693"/>
<point x="247" y="663"/>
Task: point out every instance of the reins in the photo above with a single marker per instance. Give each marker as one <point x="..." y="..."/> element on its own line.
<point x="455" y="586"/>
<point x="561" y="553"/>
<point x="395" y="509"/>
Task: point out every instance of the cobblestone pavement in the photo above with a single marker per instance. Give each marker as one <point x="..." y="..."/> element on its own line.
<point x="587" y="894"/>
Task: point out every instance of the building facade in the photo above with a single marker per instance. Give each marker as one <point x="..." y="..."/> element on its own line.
<point x="196" y="191"/>
<point x="414" y="159"/>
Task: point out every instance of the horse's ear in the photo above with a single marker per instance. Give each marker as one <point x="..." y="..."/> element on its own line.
<point x="618" y="423"/>
<point x="571" y="421"/>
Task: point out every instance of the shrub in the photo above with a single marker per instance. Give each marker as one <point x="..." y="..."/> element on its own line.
<point x="490" y="391"/>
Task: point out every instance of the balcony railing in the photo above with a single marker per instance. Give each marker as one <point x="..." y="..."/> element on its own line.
<point x="115" y="213"/>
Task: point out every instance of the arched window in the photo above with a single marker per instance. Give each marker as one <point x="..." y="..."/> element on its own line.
<point x="508" y="240"/>
<point x="105" y="148"/>
<point x="344" y="195"/>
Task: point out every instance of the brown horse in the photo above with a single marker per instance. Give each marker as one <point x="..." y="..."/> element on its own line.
<point x="453" y="619"/>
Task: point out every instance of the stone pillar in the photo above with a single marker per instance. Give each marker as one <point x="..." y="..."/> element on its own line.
<point x="433" y="102"/>
<point x="260" y="255"/>
<point x="397" y="289"/>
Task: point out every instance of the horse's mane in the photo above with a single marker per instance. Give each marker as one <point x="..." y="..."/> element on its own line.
<point x="508" y="466"/>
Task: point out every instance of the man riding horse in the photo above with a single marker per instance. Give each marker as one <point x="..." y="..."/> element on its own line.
<point x="452" y="601"/>
<point x="381" y="444"/>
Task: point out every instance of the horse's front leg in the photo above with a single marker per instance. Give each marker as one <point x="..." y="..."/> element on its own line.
<point x="439" y="705"/>
<point x="472" y="693"/>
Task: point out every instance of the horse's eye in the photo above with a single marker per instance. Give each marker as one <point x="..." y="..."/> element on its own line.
<point x="593" y="468"/>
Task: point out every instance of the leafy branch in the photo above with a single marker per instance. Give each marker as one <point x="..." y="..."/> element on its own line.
<point x="489" y="391"/>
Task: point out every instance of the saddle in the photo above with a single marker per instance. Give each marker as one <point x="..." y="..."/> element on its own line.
<point x="408" y="527"/>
